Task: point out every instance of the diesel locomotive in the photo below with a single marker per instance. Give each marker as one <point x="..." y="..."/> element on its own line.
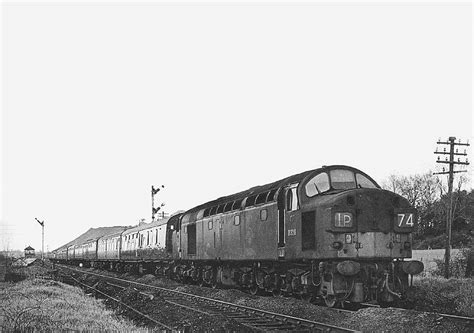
<point x="331" y="233"/>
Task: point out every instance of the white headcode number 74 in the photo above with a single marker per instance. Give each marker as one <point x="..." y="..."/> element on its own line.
<point x="403" y="222"/>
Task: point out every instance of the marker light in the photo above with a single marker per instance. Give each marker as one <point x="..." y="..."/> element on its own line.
<point x="348" y="238"/>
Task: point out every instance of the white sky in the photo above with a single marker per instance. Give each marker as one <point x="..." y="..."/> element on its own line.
<point x="100" y="101"/>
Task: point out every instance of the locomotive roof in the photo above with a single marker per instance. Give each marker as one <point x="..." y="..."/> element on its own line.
<point x="297" y="178"/>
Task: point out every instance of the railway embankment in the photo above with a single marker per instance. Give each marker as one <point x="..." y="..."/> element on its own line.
<point x="42" y="305"/>
<point x="366" y="320"/>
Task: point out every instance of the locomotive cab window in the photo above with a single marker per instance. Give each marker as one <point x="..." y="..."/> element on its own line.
<point x="342" y="179"/>
<point x="318" y="184"/>
<point x="364" y="182"/>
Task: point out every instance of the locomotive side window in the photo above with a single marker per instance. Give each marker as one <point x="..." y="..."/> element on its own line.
<point x="228" y="207"/>
<point x="250" y="201"/>
<point x="342" y="179"/>
<point x="206" y="212"/>
<point x="200" y="214"/>
<point x="209" y="225"/>
<point x="364" y="182"/>
<point x="213" y="210"/>
<point x="271" y="195"/>
<point x="318" y="184"/>
<point x="261" y="198"/>
<point x="291" y="199"/>
<point x="236" y="219"/>
<point x="263" y="215"/>
<point x="237" y="204"/>
<point x="220" y="209"/>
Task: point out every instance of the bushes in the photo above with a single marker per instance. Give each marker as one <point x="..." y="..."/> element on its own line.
<point x="457" y="264"/>
<point x="455" y="296"/>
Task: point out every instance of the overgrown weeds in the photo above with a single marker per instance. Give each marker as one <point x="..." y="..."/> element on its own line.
<point x="436" y="294"/>
<point x="38" y="305"/>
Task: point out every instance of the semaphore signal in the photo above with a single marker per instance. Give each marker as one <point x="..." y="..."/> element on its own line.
<point x="154" y="210"/>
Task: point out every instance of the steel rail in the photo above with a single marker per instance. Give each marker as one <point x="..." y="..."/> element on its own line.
<point x="126" y="305"/>
<point x="282" y="317"/>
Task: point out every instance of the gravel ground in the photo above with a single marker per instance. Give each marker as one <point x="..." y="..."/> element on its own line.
<point x="366" y="320"/>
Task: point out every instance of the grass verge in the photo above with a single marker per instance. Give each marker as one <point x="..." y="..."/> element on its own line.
<point x="38" y="305"/>
<point x="435" y="294"/>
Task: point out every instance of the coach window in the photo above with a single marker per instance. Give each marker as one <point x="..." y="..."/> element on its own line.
<point x="291" y="199"/>
<point x="236" y="219"/>
<point x="364" y="182"/>
<point x="318" y="184"/>
<point x="263" y="215"/>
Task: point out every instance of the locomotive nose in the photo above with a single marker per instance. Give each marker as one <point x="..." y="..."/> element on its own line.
<point x="369" y="210"/>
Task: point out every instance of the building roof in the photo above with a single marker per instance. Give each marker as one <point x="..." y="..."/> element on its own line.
<point x="29" y="248"/>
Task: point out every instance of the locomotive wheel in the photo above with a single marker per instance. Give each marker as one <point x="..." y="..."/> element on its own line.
<point x="330" y="300"/>
<point x="253" y="290"/>
<point x="276" y="292"/>
<point x="306" y="297"/>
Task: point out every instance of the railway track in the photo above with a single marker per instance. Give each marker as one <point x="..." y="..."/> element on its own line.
<point x="249" y="318"/>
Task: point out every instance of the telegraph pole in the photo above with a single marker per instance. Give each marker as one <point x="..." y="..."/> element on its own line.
<point x="449" y="218"/>
<point x="42" y="238"/>
<point x="153" y="209"/>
